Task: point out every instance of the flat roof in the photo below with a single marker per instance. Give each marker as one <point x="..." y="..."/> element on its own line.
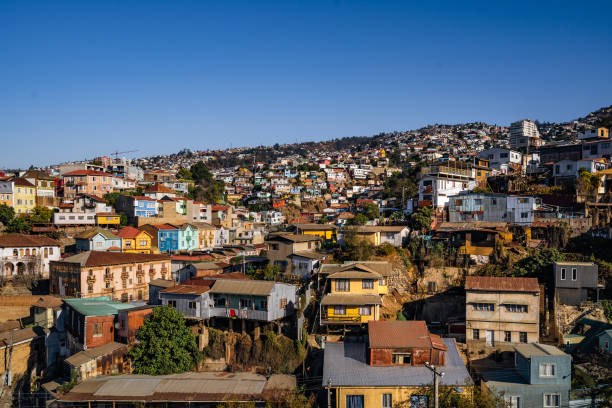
<point x="190" y="386"/>
<point x="346" y="365"/>
<point x="537" y="349"/>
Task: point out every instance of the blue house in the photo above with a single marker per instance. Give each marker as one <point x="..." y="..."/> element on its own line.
<point x="98" y="239"/>
<point x="136" y="206"/>
<point x="165" y="236"/>
<point x="605" y="341"/>
<point x="539" y="376"/>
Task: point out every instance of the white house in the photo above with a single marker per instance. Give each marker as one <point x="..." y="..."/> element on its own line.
<point x="27" y="254"/>
<point x="500" y="159"/>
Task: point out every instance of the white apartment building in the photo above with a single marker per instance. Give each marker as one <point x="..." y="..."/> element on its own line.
<point x="524" y="133"/>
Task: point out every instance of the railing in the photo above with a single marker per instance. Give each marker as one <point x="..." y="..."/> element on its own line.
<point x="340" y="319"/>
<point x="240" y="313"/>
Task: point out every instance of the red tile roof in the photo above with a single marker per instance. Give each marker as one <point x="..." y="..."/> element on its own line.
<point x="102" y="258"/>
<point x="129" y="232"/>
<point x="23" y="240"/>
<point x="87" y="173"/>
<point x="503" y="284"/>
<point x="158" y="188"/>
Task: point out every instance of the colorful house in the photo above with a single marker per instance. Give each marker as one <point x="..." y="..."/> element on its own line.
<point x="165" y="237"/>
<point x="390" y="369"/>
<point x="187" y="237"/>
<point x="24" y="194"/>
<point x="135" y="240"/>
<point x="108" y="219"/>
<point x="98" y="239"/>
<point x="6" y="192"/>
<point x="354" y="297"/>
<point x="326" y="232"/>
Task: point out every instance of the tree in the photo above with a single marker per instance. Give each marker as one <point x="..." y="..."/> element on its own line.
<point x="359" y="219"/>
<point x="398" y="216"/>
<point x="6" y="214"/>
<point x="271" y="271"/>
<point x="123" y="219"/>
<point x="421" y="219"/>
<point x="199" y="173"/>
<point x="538" y="264"/>
<point x="371" y="211"/>
<point x="356" y="248"/>
<point x="19" y="225"/>
<point x="184" y="174"/>
<point x="41" y="215"/>
<point x="165" y="344"/>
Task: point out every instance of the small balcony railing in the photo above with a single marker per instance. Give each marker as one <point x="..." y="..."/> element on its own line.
<point x="326" y="318"/>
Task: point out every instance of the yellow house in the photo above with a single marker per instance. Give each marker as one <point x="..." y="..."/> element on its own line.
<point x="24" y="194"/>
<point x="324" y="231"/>
<point x="108" y="219"/>
<point x="134" y="240"/>
<point x="206" y="235"/>
<point x="354" y="297"/>
<point x="389" y="369"/>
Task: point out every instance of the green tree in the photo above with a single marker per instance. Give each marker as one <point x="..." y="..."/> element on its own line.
<point x="538" y="264"/>
<point x="356" y="248"/>
<point x="6" y="214"/>
<point x="184" y="174"/>
<point x="123" y="219"/>
<point x="607" y="308"/>
<point x="165" y="344"/>
<point x="371" y="211"/>
<point x="359" y="219"/>
<point x="398" y="216"/>
<point x="421" y="219"/>
<point x="271" y="271"/>
<point x="41" y="215"/>
<point x="199" y="173"/>
<point x="19" y="225"/>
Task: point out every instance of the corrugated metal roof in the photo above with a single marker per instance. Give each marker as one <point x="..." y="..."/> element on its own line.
<point x="345" y="364"/>
<point x="85" y="356"/>
<point x="103" y="258"/>
<point x="355" y="274"/>
<point x="187" y="289"/>
<point x="350" y="300"/>
<point x="243" y="287"/>
<point x="502" y="284"/>
<point x="400" y="334"/>
<point x="96" y="306"/>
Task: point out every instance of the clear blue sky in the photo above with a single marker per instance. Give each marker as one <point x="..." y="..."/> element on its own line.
<point x="84" y="78"/>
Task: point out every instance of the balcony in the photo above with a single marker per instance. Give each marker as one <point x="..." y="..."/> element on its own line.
<point x="333" y="319"/>
<point x="91" y="278"/>
<point x="109" y="276"/>
<point x="244" y="314"/>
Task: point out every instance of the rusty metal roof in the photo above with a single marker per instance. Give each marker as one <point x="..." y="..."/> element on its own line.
<point x="187" y="289"/>
<point x="502" y="284"/>
<point x="401" y="334"/>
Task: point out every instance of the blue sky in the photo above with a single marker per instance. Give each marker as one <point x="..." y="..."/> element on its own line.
<point x="80" y="79"/>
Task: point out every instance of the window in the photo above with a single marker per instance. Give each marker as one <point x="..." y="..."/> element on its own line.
<point x="172" y="303"/>
<point x="89" y="288"/>
<point x="512" y="401"/>
<point x="494" y="201"/>
<point x="365" y="310"/>
<point x="458" y="203"/>
<point x="402" y="358"/>
<point x="552" y="400"/>
<point x="547" y="369"/>
<point x="484" y="307"/>
<point x="97" y="329"/>
<point x="508" y="337"/>
<point x="478" y="201"/>
<point x="523" y="200"/>
<point x="367" y="284"/>
<point x="574" y="274"/>
<point x="339" y="310"/>
<point x="354" y="401"/>
<point x="523" y="337"/>
<point x="476" y="334"/>
<point x="192" y="305"/>
<point x="431" y="287"/>
<point x="283" y="303"/>
<point x="516" y="308"/>
<point x="342" y="285"/>
<point x="524" y="215"/>
<point x="563" y="274"/>
<point x="387" y="401"/>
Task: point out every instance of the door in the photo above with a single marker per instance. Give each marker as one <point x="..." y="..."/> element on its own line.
<point x="490" y="339"/>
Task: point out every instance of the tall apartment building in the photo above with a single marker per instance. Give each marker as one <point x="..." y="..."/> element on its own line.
<point x="523" y="134"/>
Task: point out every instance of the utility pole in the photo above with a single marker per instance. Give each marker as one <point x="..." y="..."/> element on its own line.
<point x="329" y="382"/>
<point x="437" y="375"/>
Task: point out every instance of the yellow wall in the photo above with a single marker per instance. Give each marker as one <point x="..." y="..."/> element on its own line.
<point x="371" y="237"/>
<point x="327" y="234"/>
<point x="140" y="244"/>
<point x="356" y="288"/>
<point x="352" y="312"/>
<point x="27" y="195"/>
<point x="372" y="396"/>
<point x="109" y="219"/>
<point x="6" y="199"/>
